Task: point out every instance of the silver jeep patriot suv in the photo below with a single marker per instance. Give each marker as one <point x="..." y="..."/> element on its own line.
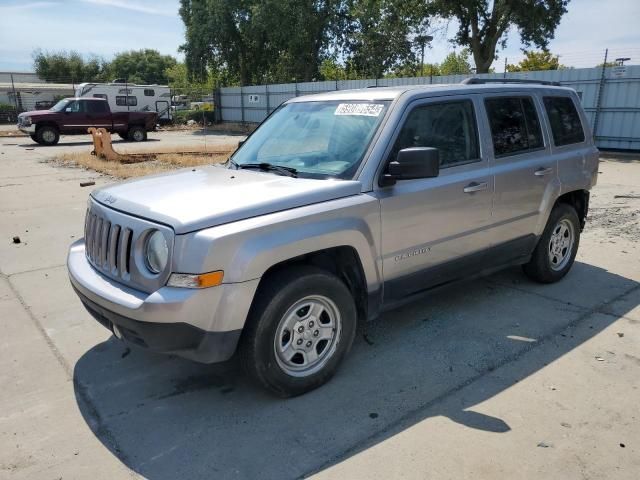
<point x="338" y="206"/>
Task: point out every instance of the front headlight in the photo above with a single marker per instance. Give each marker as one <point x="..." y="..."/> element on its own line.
<point x="26" y="121"/>
<point x="156" y="252"/>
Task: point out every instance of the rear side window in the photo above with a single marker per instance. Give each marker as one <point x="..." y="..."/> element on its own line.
<point x="96" y="107"/>
<point x="564" y="120"/>
<point x="149" y="92"/>
<point x="123" y="101"/>
<point x="450" y="127"/>
<point x="515" y="126"/>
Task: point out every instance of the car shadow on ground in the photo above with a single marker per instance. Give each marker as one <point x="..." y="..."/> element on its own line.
<point x="168" y="418"/>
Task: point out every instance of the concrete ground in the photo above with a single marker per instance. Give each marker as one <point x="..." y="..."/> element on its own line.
<point x="492" y="378"/>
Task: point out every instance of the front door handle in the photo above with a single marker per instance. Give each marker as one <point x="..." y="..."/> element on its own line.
<point x="541" y="172"/>
<point x="475" y="187"/>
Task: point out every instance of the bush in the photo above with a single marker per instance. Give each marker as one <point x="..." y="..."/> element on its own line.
<point x="5" y="107"/>
<point x="183" y="116"/>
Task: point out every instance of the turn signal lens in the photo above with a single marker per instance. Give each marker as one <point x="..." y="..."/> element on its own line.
<point x="203" y="280"/>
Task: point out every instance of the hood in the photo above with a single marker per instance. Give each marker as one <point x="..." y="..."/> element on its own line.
<point x="193" y="199"/>
<point x="38" y="113"/>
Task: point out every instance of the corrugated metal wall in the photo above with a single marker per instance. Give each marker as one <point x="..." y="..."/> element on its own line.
<point x="618" y="116"/>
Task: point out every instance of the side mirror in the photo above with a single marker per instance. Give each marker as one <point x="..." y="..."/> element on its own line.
<point x="240" y="143"/>
<point x="412" y="163"/>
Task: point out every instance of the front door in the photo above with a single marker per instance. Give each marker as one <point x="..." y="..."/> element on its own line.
<point x="76" y="120"/>
<point x="434" y="229"/>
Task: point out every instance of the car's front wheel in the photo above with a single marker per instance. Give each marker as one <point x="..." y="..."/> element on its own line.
<point x="557" y="248"/>
<point x="300" y="327"/>
<point x="47" y="135"/>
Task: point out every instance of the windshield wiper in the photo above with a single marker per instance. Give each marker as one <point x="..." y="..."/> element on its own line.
<point x="268" y="167"/>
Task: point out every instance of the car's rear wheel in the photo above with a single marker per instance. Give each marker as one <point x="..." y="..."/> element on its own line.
<point x="34" y="137"/>
<point x="557" y="248"/>
<point x="301" y="326"/>
<point x="137" y="134"/>
<point x="124" y="136"/>
<point x="47" y="135"/>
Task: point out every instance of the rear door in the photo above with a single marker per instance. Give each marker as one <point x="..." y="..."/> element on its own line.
<point x="525" y="172"/>
<point x="98" y="114"/>
<point x="434" y="229"/>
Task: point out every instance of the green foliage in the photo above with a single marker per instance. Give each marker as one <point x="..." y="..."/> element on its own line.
<point x="5" y="107"/>
<point x="483" y="25"/>
<point x="67" y="67"/>
<point x="535" y="61"/>
<point x="183" y="116"/>
<point x="456" y="64"/>
<point x="380" y="33"/>
<point x="259" y="41"/>
<point x="607" y="65"/>
<point x="140" y="66"/>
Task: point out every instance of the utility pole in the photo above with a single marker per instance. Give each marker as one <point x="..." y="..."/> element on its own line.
<point x="596" y="116"/>
<point x="505" y="68"/>
<point x="422" y="40"/>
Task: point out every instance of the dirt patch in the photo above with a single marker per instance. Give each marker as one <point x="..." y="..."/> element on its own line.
<point x="144" y="163"/>
<point x="12" y="133"/>
<point x="620" y="220"/>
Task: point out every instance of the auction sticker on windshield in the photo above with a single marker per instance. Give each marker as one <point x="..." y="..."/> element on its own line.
<point x="366" y="109"/>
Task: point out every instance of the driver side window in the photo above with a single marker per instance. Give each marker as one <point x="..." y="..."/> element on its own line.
<point x="448" y="126"/>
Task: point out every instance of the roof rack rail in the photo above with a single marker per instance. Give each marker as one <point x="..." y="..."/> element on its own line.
<point x="480" y="81"/>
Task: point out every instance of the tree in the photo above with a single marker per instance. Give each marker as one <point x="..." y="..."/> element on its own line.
<point x="260" y="40"/>
<point x="483" y="25"/>
<point x="380" y="32"/>
<point x="67" y="66"/>
<point x="140" y="66"/>
<point x="535" y="61"/>
<point x="456" y="64"/>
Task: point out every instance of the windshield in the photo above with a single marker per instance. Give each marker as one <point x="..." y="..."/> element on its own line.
<point x="61" y="105"/>
<point x="317" y="139"/>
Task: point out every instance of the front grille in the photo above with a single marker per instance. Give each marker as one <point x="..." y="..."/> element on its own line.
<point x="108" y="246"/>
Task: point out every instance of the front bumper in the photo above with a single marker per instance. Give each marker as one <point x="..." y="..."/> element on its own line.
<point x="31" y="129"/>
<point x="200" y="324"/>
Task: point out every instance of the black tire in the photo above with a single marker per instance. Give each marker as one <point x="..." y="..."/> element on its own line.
<point x="124" y="136"/>
<point x="137" y="134"/>
<point x="541" y="267"/>
<point x="278" y="294"/>
<point x="34" y="137"/>
<point x="47" y="135"/>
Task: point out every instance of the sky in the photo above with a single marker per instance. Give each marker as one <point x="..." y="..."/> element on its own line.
<point x="106" y="27"/>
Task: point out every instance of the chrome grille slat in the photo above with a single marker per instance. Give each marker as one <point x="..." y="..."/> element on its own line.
<point x="114" y="237"/>
<point x="96" y="239"/>
<point x="123" y="250"/>
<point x="104" y="246"/>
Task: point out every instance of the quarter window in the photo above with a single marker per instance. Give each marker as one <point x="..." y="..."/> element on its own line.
<point x="450" y="127"/>
<point x="564" y="120"/>
<point x="149" y="92"/>
<point x="100" y="95"/>
<point x="123" y="101"/>
<point x="515" y="126"/>
<point x="96" y="107"/>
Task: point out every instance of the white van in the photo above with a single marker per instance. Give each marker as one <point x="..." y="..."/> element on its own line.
<point x="128" y="97"/>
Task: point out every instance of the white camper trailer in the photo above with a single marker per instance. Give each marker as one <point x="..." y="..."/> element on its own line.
<point x="128" y="97"/>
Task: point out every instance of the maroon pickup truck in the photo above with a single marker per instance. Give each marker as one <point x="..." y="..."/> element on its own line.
<point x="75" y="115"/>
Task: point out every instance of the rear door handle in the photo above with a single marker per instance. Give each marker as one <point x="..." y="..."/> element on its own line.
<point x="541" y="172"/>
<point x="476" y="187"/>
